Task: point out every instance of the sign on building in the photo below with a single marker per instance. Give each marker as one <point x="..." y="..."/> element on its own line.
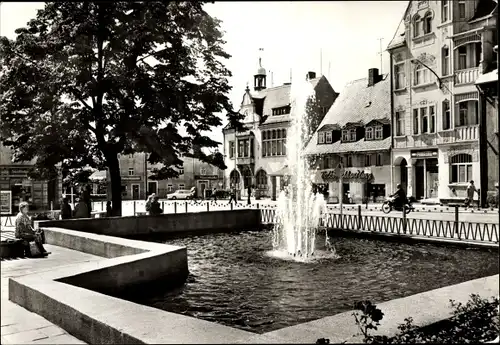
<point x="5" y="202"/>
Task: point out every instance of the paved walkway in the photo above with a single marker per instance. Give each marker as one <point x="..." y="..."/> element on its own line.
<point x="20" y="326"/>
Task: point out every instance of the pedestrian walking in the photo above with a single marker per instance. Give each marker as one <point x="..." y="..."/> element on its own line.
<point x="66" y="211"/>
<point x="109" y="210"/>
<point x="232" y="195"/>
<point x="214" y="195"/>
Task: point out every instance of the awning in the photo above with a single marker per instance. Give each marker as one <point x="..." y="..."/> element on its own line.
<point x="281" y="172"/>
<point x="100" y="175"/>
<point x="488" y="77"/>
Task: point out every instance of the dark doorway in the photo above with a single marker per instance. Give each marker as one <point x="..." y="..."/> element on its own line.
<point x="404" y="175"/>
<point x="419" y="181"/>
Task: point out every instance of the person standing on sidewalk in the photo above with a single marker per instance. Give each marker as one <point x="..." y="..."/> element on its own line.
<point x="232" y="195"/>
<point x="471" y="188"/>
<point x="66" y="211"/>
<point x="87" y="200"/>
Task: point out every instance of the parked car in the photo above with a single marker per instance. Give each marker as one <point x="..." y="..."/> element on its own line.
<point x="180" y="194"/>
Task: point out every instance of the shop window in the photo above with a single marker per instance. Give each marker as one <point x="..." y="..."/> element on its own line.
<point x="461" y="168"/>
<point x="131" y="172"/>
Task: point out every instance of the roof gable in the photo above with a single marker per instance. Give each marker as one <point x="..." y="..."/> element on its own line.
<point x="378" y="122"/>
<point x="351" y="125"/>
<point x="329" y="127"/>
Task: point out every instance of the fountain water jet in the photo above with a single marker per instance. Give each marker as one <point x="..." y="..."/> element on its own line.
<point x="299" y="210"/>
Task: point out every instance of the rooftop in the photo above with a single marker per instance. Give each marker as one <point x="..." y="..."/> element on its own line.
<point x="357" y="103"/>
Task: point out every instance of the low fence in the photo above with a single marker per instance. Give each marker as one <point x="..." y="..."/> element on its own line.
<point x="434" y="228"/>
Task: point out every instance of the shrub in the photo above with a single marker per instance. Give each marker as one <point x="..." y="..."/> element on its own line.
<point x="475" y="321"/>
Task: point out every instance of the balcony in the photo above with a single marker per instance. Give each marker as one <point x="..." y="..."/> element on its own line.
<point x="466" y="76"/>
<point x="245" y="160"/>
<point x="459" y="134"/>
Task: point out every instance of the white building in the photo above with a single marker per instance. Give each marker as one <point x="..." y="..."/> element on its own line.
<point x="438" y="52"/>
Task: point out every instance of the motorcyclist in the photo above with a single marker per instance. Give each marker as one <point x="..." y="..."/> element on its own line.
<point x="400" y="197"/>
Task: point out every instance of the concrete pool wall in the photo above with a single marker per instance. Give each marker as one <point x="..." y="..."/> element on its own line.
<point x="161" y="224"/>
<point x="74" y="298"/>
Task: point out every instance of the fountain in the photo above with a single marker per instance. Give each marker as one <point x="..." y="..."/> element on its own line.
<point x="299" y="210"/>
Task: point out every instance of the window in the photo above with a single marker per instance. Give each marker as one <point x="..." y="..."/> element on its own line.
<point x="425" y="120"/>
<point x="432" y="118"/>
<point x="462" y="57"/>
<point x="244" y="148"/>
<point x="182" y="186"/>
<point x="446" y="115"/>
<point x="369" y="133"/>
<point x="231" y="149"/>
<point x="399" y="73"/>
<point x="461" y="168"/>
<point x="461" y="9"/>
<point x="281" y="110"/>
<point x="328" y="137"/>
<point x="273" y="143"/>
<point x="446" y="61"/>
<point x="261" y="179"/>
<point x="170" y="188"/>
<point x="415" y="121"/>
<point x="345" y="135"/>
<point x="368" y="160"/>
<point x="131" y="172"/>
<point x="203" y="171"/>
<point x="321" y="137"/>
<point x="421" y="75"/>
<point x="379" y="160"/>
<point x="379" y="132"/>
<point x="352" y="135"/>
<point x="400" y="124"/>
<point x="326" y="163"/>
<point x="444" y="10"/>
<point x="416" y="26"/>
<point x="181" y="171"/>
<point x="349" y="161"/>
<point x="462" y="114"/>
<point x="428" y="23"/>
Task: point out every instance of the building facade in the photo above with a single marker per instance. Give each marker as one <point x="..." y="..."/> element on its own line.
<point x="16" y="186"/>
<point x="136" y="186"/>
<point x="350" y="151"/>
<point x="438" y="52"/>
<point x="257" y="157"/>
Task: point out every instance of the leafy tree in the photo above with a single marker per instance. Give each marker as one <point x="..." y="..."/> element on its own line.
<point x="79" y="86"/>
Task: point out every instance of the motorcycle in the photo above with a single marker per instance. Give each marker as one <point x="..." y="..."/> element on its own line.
<point x="388" y="206"/>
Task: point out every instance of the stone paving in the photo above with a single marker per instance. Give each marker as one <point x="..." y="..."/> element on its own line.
<point x="20" y="326"/>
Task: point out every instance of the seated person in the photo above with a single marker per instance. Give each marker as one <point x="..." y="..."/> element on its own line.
<point x="24" y="230"/>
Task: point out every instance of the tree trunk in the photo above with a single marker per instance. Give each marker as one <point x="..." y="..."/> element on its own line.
<point x="116" y="184"/>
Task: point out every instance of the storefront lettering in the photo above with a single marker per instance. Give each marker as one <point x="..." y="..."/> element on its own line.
<point x="422" y="154"/>
<point x="347" y="175"/>
<point x="206" y="177"/>
<point x="17" y="172"/>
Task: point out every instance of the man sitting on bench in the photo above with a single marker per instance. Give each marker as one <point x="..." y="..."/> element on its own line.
<point x="25" y="231"/>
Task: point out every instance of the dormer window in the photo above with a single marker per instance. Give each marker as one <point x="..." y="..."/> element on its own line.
<point x="321" y="137"/>
<point x="369" y="133"/>
<point x="328" y="137"/>
<point x="379" y="132"/>
<point x="349" y="135"/>
<point x="281" y="110"/>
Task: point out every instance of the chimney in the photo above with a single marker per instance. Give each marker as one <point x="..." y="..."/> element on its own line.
<point x="310" y="75"/>
<point x="373" y="76"/>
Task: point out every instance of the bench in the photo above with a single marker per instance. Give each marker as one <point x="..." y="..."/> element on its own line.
<point x="10" y="246"/>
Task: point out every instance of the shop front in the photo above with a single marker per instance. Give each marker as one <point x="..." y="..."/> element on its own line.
<point x="356" y="184"/>
<point x="17" y="187"/>
<point x="206" y="183"/>
<point x="425" y="173"/>
<point x="133" y="187"/>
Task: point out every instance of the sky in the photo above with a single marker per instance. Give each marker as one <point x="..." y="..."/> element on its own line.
<point x="339" y="39"/>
